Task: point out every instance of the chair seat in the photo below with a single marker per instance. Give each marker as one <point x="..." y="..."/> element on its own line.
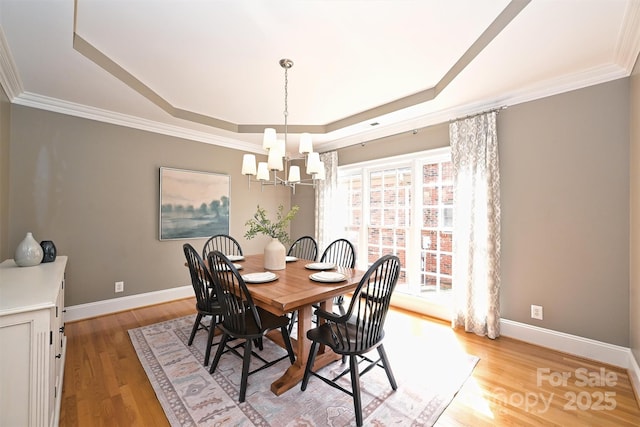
<point x="358" y="331"/>
<point x="349" y="343"/>
<point x="207" y="303"/>
<point x="209" y="307"/>
<point x="269" y="321"/>
<point x="242" y="319"/>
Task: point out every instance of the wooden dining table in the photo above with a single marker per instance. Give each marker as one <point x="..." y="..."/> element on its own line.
<point x="293" y="290"/>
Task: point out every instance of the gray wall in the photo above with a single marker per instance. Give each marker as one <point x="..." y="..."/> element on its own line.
<point x="305" y="224"/>
<point x="565" y="211"/>
<point x="5" y="117"/>
<point x="93" y="189"/>
<point x="565" y="207"/>
<point x="409" y="142"/>
<point x="634" y="306"/>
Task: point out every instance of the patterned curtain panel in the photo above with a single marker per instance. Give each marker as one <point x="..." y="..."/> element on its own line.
<point x="476" y="224"/>
<point x="326" y="193"/>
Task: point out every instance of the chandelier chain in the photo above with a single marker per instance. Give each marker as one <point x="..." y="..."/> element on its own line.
<point x="278" y="158"/>
<point x="286" y="102"/>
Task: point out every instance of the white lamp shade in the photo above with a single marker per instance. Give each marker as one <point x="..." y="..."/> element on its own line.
<point x="274" y="160"/>
<point x="320" y="174"/>
<point x="313" y="163"/>
<point x="249" y="164"/>
<point x="263" y="171"/>
<point x="306" y="145"/>
<point x="269" y="138"/>
<point x="281" y="147"/>
<point x="294" y="174"/>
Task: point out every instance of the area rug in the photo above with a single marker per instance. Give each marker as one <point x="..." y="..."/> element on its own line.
<point x="190" y="396"/>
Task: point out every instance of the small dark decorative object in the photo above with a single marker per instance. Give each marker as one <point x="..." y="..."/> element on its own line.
<point x="49" y="250"/>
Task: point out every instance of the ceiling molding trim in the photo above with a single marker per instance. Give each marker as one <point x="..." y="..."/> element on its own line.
<point x="586" y="78"/>
<point x="103" y="61"/>
<point x="498" y="25"/>
<point x="551" y="87"/>
<point x="546" y="89"/>
<point x="493" y="30"/>
<point x="488" y="35"/>
<point x="78" y="110"/>
<point x="259" y="129"/>
<point x="628" y="47"/>
<point x="9" y="77"/>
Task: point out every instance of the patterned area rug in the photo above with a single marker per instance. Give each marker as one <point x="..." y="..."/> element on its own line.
<point x="190" y="396"/>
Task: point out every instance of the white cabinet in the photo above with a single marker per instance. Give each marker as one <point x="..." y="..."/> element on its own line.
<point x="32" y="343"/>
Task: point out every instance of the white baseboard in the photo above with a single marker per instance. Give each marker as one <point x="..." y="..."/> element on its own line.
<point x="572" y="344"/>
<point x="99" y="308"/>
<point x="634" y="375"/>
<point x="560" y="341"/>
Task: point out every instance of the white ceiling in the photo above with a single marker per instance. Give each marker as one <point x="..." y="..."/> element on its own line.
<point x="208" y="70"/>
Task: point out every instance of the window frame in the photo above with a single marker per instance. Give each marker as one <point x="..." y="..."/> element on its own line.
<point x="415" y="162"/>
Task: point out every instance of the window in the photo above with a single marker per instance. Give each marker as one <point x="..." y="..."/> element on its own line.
<point x="403" y="205"/>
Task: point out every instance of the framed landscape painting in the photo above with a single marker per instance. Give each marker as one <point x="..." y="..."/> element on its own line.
<point x="193" y="204"/>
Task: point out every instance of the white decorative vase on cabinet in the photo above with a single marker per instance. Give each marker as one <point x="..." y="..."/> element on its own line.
<point x="29" y="252"/>
<point x="275" y="255"/>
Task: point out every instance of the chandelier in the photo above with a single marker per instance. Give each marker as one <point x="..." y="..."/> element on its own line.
<point x="278" y="159"/>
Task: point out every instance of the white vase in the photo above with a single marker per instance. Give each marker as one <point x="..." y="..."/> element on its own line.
<point x="275" y="255"/>
<point x="29" y="252"/>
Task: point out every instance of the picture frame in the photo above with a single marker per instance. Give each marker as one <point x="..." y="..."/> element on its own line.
<point x="193" y="204"/>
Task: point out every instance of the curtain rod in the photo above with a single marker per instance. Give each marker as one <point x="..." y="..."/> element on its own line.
<point x="415" y="131"/>
<point x="497" y="110"/>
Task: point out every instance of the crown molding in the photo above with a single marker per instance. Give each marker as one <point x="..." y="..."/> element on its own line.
<point x="9" y="77"/>
<point x="545" y="89"/>
<point x="628" y="47"/>
<point x="549" y="88"/>
<point x="11" y="82"/>
<point x="78" y="110"/>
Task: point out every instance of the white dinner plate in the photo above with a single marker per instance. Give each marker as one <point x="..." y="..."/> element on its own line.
<point x="320" y="266"/>
<point x="290" y="258"/>
<point x="233" y="258"/>
<point x="328" y="277"/>
<point x="263" y="277"/>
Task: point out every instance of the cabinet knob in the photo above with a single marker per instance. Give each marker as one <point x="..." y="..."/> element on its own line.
<point x="62" y="329"/>
<point x="58" y="356"/>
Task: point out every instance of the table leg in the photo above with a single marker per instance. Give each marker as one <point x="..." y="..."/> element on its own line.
<point x="301" y="346"/>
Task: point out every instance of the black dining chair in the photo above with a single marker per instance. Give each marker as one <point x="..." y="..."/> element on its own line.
<point x="207" y="304"/>
<point x="223" y="243"/>
<point x="305" y="247"/>
<point x="342" y="253"/>
<point x="242" y="319"/>
<point x="358" y="331"/>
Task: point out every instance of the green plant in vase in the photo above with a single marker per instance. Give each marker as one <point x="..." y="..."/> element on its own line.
<point x="278" y="229"/>
<point x="274" y="251"/>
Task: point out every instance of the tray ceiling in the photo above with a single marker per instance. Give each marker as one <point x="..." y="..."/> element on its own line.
<point x="208" y="70"/>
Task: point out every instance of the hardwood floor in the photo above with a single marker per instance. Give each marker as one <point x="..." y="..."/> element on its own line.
<point x="514" y="384"/>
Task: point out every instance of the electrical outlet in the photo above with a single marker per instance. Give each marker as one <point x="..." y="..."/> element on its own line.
<point x="119" y="286"/>
<point x="536" y="312"/>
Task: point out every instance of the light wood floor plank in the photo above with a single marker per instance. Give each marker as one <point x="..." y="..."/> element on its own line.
<point x="105" y="385"/>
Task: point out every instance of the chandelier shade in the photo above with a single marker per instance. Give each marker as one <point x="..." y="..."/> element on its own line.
<point x="306" y="145"/>
<point x="269" y="138"/>
<point x="320" y="174"/>
<point x="277" y="156"/>
<point x="263" y="172"/>
<point x="249" y="164"/>
<point x="313" y="163"/>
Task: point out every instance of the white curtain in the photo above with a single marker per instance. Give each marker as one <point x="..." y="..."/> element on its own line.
<point x="326" y="195"/>
<point x="476" y="224"/>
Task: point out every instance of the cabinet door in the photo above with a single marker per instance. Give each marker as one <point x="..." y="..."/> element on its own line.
<point x="55" y="358"/>
<point x="17" y="338"/>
